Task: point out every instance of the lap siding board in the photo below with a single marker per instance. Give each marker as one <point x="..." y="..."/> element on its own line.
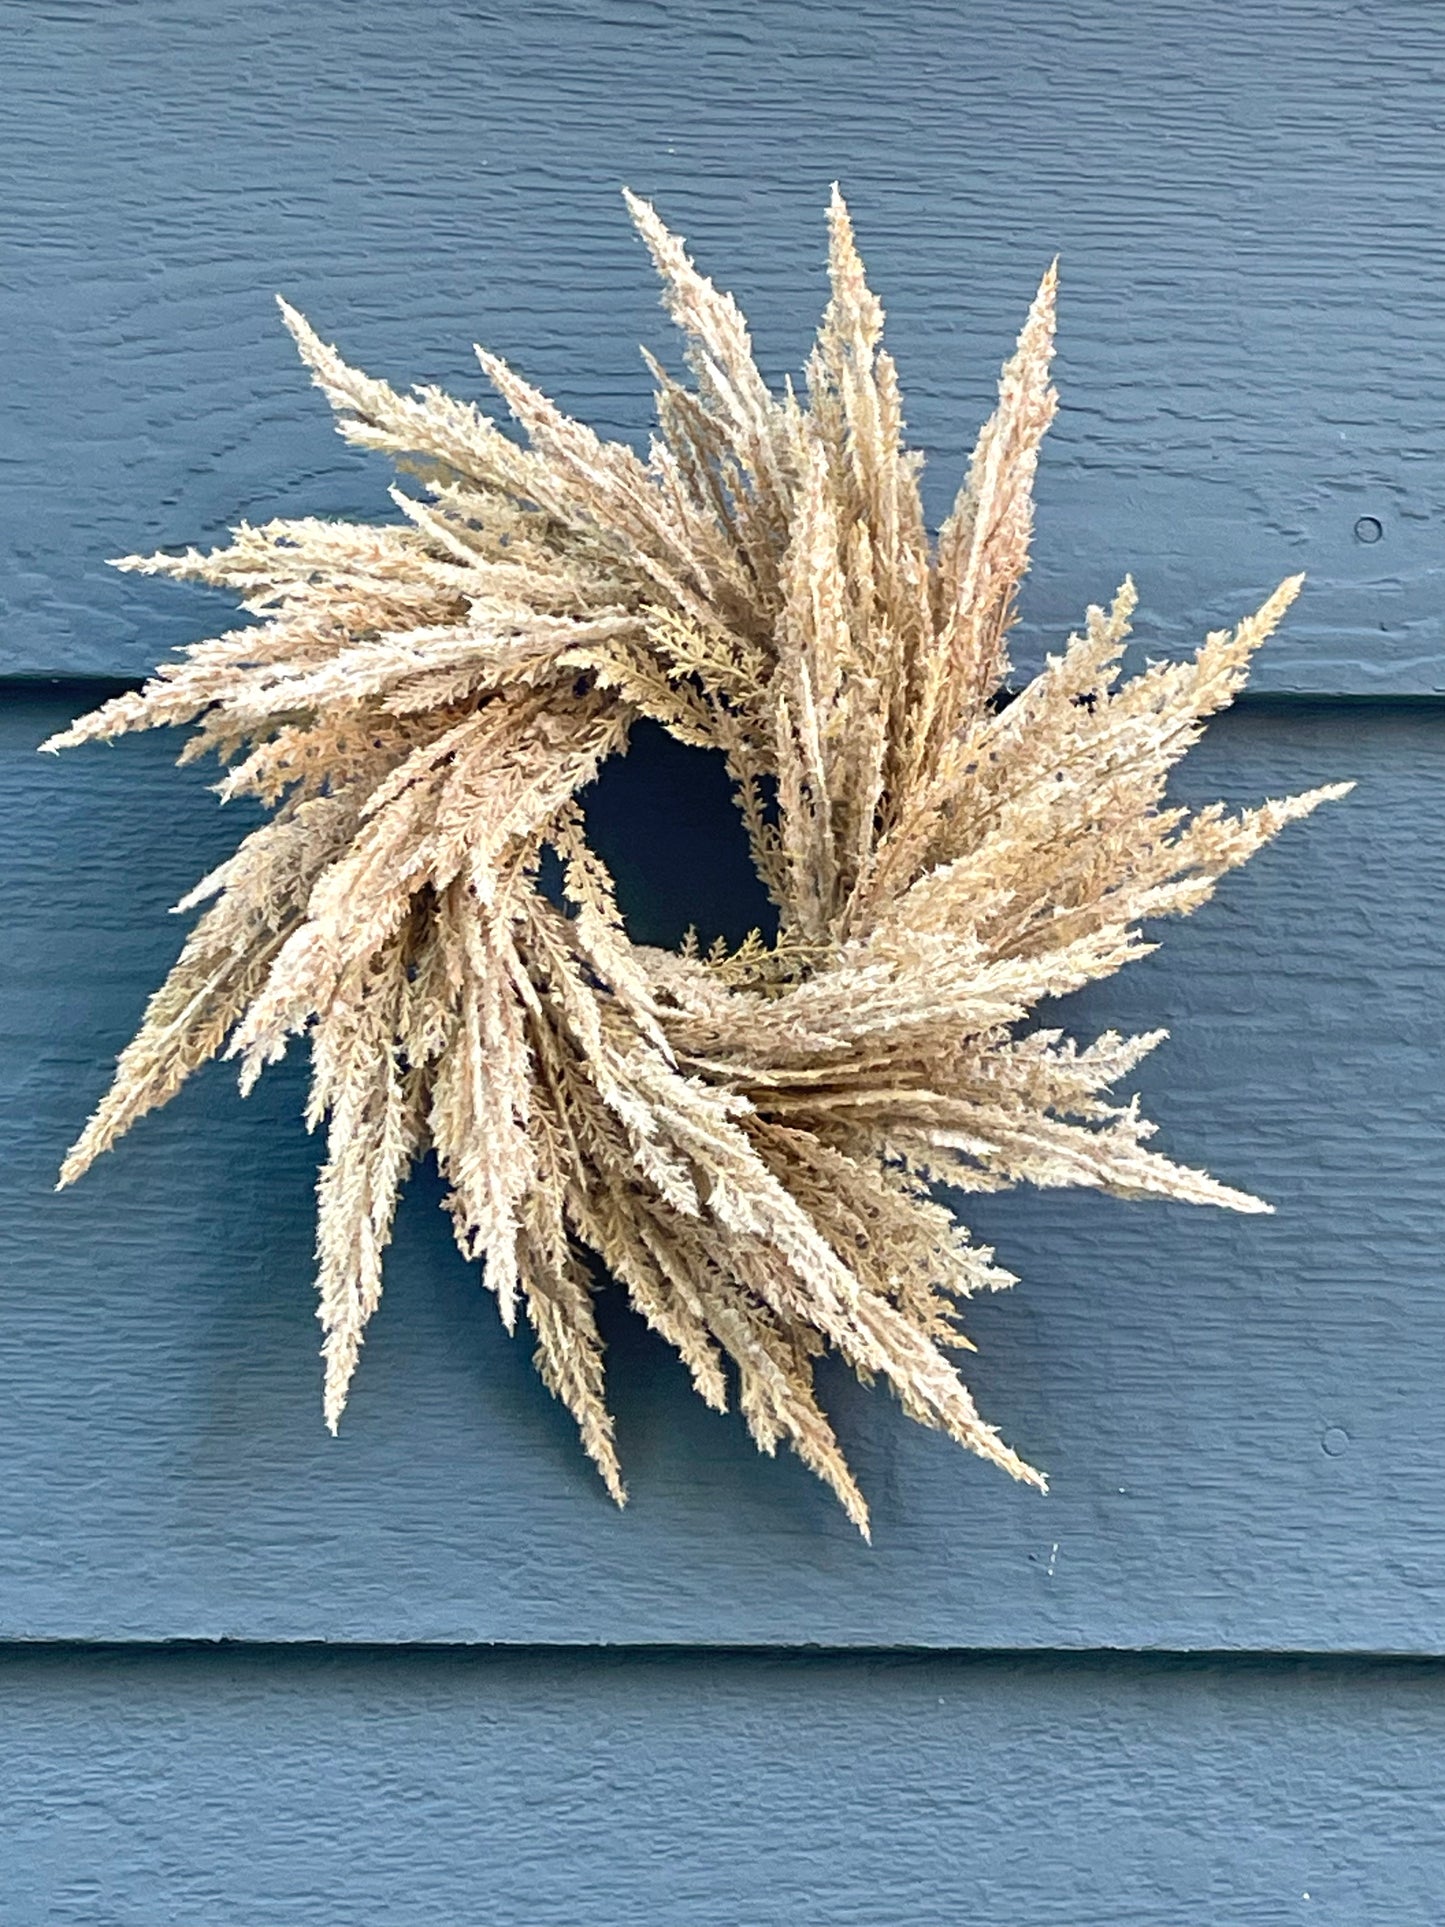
<point x="1240" y="1416"/>
<point x="427" y="1789"/>
<point x="1245" y="202"/>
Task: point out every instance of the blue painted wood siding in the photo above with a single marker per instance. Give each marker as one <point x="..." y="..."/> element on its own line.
<point x="456" y="1684"/>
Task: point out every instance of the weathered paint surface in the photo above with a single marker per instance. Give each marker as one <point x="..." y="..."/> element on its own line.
<point x="1241" y="1415"/>
<point x="1247" y="201"/>
<point x="430" y="1789"/>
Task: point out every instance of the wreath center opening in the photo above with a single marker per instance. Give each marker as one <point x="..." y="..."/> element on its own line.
<point x="662" y="817"/>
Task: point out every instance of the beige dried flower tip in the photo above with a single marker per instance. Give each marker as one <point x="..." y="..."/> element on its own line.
<point x="746" y="1144"/>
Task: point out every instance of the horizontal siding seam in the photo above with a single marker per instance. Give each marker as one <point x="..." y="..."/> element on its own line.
<point x="725" y="1652"/>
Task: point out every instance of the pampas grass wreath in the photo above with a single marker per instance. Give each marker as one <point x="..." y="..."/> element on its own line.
<point x="749" y="1142"/>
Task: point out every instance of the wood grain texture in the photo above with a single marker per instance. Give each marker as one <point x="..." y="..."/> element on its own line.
<point x="426" y="1789"/>
<point x="1242" y="1417"/>
<point x="1247" y="201"/>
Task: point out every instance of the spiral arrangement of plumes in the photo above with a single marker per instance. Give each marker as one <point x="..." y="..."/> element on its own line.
<point x="749" y="1144"/>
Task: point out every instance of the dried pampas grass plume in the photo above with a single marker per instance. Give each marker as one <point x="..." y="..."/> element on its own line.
<point x="745" y="1142"/>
